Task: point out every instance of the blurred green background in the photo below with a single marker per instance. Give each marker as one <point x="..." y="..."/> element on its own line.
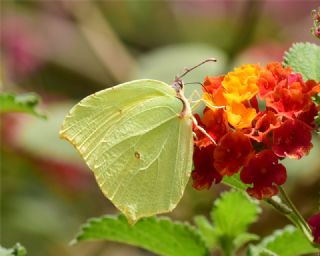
<point x="66" y="50"/>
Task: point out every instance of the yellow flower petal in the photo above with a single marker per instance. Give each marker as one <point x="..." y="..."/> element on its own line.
<point x="239" y="116"/>
<point x="215" y="100"/>
<point x="241" y="84"/>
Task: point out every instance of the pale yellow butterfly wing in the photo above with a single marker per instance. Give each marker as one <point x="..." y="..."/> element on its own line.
<point x="132" y="138"/>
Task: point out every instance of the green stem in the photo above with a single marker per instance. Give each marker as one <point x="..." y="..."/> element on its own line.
<point x="227" y="247"/>
<point x="278" y="205"/>
<point x="296" y="217"/>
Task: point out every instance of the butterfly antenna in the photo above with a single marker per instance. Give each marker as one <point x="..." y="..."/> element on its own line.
<point x="203" y="87"/>
<point x="195" y="83"/>
<point x="187" y="70"/>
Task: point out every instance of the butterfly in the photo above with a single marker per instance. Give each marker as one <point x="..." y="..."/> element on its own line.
<point x="137" y="139"/>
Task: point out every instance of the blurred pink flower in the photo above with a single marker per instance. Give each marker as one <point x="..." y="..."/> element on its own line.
<point x="262" y="53"/>
<point x="68" y="174"/>
<point x="21" y="46"/>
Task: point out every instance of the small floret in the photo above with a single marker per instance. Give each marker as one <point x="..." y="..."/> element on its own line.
<point x="265" y="173"/>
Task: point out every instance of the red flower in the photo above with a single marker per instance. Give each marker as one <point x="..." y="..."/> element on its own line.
<point x="201" y="139"/>
<point x="292" y="139"/>
<point x="264" y="122"/>
<point x="266" y="83"/>
<point x="233" y="151"/>
<point x="295" y="78"/>
<point x="265" y="173"/>
<point x="309" y="88"/>
<point x="314" y="223"/>
<point x="215" y="123"/>
<point x="284" y="129"/>
<point x="308" y="116"/>
<point x="204" y="173"/>
<point x="289" y="99"/>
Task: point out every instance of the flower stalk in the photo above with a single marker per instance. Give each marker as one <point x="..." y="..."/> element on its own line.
<point x="295" y="216"/>
<point x="285" y="206"/>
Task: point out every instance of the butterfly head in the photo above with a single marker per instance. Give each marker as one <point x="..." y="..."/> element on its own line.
<point x="177" y="85"/>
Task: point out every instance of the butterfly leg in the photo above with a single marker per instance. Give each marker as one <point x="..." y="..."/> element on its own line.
<point x="203" y="130"/>
<point x="210" y="105"/>
<point x="195" y="136"/>
<point x="193" y="94"/>
<point x="196" y="102"/>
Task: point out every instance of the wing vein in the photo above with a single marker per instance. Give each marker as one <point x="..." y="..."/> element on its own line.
<point x="142" y="169"/>
<point x="137" y="134"/>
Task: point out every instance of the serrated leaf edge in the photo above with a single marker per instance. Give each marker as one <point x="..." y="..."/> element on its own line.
<point x="294" y="47"/>
<point x="225" y="193"/>
<point x="271" y="238"/>
<point x="185" y="225"/>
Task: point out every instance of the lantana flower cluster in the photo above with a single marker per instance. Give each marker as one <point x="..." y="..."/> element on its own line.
<point x="257" y="116"/>
<point x="316" y="23"/>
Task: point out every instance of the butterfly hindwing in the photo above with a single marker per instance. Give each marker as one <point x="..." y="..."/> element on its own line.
<point x="132" y="138"/>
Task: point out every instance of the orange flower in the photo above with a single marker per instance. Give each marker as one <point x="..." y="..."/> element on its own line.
<point x="278" y="71"/>
<point x="266" y="83"/>
<point x="213" y="92"/>
<point x="241" y="84"/>
<point x="312" y="87"/>
<point x="239" y="116"/>
<point x="215" y="99"/>
<point x="212" y="83"/>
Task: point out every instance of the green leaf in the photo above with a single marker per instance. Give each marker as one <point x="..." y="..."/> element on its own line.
<point x="234" y="212"/>
<point x="305" y="59"/>
<point x="317" y="120"/>
<point x="279" y="241"/>
<point x="244" y="238"/>
<point x="316" y="98"/>
<point x="234" y="182"/>
<point x="258" y="251"/>
<point x="158" y="235"/>
<point x="20" y="103"/>
<point x="17" y="250"/>
<point x="207" y="231"/>
<point x="231" y="214"/>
